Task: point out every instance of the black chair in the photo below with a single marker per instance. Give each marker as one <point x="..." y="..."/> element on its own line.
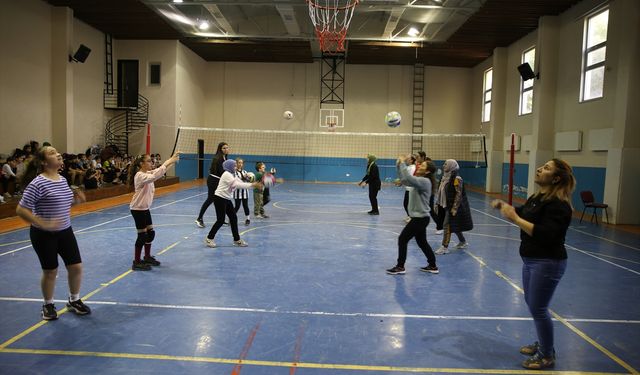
<point x="589" y="202"/>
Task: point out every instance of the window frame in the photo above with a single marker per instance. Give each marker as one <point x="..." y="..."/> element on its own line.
<point x="585" y="68"/>
<point x="486" y="91"/>
<point x="525" y="90"/>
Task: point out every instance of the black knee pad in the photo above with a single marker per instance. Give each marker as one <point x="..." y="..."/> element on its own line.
<point x="141" y="240"/>
<point x="151" y="234"/>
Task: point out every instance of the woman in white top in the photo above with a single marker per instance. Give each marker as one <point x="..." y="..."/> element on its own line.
<point x="222" y="201"/>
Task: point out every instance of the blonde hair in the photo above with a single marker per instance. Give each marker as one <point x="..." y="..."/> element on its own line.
<point x="565" y="185"/>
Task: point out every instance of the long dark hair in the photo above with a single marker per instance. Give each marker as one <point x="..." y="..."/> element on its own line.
<point x="35" y="166"/>
<point x="431" y="168"/>
<point x="134" y="168"/>
<point x="218" y="158"/>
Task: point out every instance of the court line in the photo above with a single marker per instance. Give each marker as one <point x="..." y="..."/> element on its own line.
<point x="309" y="365"/>
<point x="323" y="313"/>
<point x="245" y="349"/>
<point x="605" y="239"/>
<point x="562" y="320"/>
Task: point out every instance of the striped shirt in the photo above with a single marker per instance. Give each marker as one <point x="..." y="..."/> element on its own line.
<point x="241" y="193"/>
<point x="49" y="199"/>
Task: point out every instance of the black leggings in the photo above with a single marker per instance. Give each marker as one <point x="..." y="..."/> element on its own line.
<point x="373" y="196"/>
<point x="49" y="244"/>
<point x="224" y="206"/>
<point x="405" y="202"/>
<point x="417" y="228"/>
<point x="212" y="185"/>
<point x="245" y="205"/>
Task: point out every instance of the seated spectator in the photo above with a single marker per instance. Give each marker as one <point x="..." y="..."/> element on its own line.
<point x="75" y="171"/>
<point x="91" y="179"/>
<point x="9" y="176"/>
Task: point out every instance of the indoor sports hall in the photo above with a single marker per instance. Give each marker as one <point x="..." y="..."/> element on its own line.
<point x="313" y="89"/>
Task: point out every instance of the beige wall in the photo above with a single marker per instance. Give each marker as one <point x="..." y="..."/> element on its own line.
<point x="448" y="99"/>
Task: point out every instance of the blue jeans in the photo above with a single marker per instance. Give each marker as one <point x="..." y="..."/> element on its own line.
<point x="540" y="278"/>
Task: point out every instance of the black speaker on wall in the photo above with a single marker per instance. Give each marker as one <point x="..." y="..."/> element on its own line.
<point x="81" y="54"/>
<point x="526" y="72"/>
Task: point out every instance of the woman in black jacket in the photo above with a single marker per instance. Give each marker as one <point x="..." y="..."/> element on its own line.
<point x="373" y="179"/>
<point x="215" y="171"/>
<point x="453" y="206"/>
<point x="543" y="221"/>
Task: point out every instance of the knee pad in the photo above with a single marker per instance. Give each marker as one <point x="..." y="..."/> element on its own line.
<point x="151" y="234"/>
<point x="141" y="240"/>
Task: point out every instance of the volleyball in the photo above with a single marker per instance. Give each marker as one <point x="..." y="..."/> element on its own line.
<point x="393" y="119"/>
<point x="251" y="176"/>
<point x="288" y="115"/>
<point x="268" y="180"/>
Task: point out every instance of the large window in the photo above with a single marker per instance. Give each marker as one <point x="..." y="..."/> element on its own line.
<point x="526" y="87"/>
<point x="486" y="95"/>
<point x="594" y="50"/>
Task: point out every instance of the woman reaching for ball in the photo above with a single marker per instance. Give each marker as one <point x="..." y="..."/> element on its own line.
<point x="222" y="202"/>
<point x="543" y="222"/>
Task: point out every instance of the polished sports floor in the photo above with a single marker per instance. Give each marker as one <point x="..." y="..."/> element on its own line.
<point x="310" y="295"/>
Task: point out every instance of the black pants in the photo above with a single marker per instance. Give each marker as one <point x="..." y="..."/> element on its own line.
<point x="438" y="218"/>
<point x="373" y="197"/>
<point x="212" y="185"/>
<point x="245" y="205"/>
<point x="224" y="206"/>
<point x="405" y="202"/>
<point x="417" y="228"/>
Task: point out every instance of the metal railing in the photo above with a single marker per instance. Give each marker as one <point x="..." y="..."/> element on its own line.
<point x="119" y="127"/>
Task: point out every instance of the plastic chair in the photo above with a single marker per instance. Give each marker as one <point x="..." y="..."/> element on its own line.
<point x="589" y="202"/>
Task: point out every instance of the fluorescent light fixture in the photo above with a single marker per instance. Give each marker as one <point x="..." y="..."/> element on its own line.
<point x="177" y="1"/>
<point x="203" y="25"/>
<point x="413" y="32"/>
<point x="177" y="17"/>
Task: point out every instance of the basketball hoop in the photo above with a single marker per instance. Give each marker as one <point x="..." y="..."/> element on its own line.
<point x="331" y="19"/>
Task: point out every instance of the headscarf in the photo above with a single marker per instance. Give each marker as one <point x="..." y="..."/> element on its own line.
<point x="229" y="166"/>
<point x="370" y="160"/>
<point x="449" y="167"/>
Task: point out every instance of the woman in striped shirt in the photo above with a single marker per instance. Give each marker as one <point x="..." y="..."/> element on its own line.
<point x="46" y="205"/>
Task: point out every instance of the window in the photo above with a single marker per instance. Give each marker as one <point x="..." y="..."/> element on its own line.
<point x="154" y="74"/>
<point x="526" y="87"/>
<point x="486" y="95"/>
<point x="594" y="50"/>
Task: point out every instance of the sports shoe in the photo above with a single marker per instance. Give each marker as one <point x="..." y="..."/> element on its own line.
<point x="150" y="260"/>
<point x="240" y="243"/>
<point x="200" y="223"/>
<point x="442" y="250"/>
<point x="530" y="349"/>
<point x="78" y="307"/>
<point x="538" y="361"/>
<point x="407" y="219"/>
<point x="49" y="312"/>
<point x="373" y="213"/>
<point x="439" y="231"/>
<point x="247" y="222"/>
<point x="140" y="266"/>
<point x="210" y="242"/>
<point x="396" y="271"/>
<point x="265" y="216"/>
<point x="430" y="269"/>
<point x="226" y="223"/>
<point x="462" y="245"/>
<point x="258" y="216"/>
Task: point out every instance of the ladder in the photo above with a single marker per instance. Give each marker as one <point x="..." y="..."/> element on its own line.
<point x="108" y="64"/>
<point x="417" y="128"/>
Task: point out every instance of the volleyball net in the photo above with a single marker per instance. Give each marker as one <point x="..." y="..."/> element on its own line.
<point x="326" y="156"/>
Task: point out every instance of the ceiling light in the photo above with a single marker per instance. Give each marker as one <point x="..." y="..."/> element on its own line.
<point x="413" y="32"/>
<point x="177" y="1"/>
<point x="203" y="25"/>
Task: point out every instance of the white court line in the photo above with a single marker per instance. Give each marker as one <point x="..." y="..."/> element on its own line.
<point x="106" y="222"/>
<point x="605" y="239"/>
<point x="321" y="313"/>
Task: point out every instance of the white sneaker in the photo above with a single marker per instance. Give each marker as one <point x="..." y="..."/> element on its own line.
<point x="200" y="223"/>
<point x="259" y="217"/>
<point x="407" y="219"/>
<point x="462" y="245"/>
<point x="210" y="242"/>
<point x="240" y="243"/>
<point x="439" y="231"/>
<point x="442" y="250"/>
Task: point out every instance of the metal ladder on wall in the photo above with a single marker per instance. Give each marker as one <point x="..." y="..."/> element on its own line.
<point x="108" y="64"/>
<point x="418" y="107"/>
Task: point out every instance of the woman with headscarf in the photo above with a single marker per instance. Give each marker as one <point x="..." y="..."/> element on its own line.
<point x="222" y="200"/>
<point x="373" y="179"/>
<point x="452" y="198"/>
<point x="215" y="171"/>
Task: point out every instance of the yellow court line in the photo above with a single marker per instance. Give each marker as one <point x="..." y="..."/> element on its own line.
<point x="564" y="321"/>
<point x="313" y="365"/>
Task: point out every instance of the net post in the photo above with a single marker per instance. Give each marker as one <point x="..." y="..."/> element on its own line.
<point x="200" y="158"/>
<point x="512" y="166"/>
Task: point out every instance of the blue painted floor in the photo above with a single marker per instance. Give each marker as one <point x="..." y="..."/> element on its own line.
<point x="310" y="295"/>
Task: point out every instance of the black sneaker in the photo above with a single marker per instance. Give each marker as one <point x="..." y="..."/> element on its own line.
<point x="150" y="260"/>
<point x="49" y="312"/>
<point x="396" y="271"/>
<point x="140" y="266"/>
<point x="247" y="222"/>
<point x="530" y="349"/>
<point x="200" y="223"/>
<point x="538" y="361"/>
<point x="373" y="213"/>
<point x="430" y="269"/>
<point x="78" y="307"/>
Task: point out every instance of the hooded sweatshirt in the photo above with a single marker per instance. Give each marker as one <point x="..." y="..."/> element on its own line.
<point x="419" y="195"/>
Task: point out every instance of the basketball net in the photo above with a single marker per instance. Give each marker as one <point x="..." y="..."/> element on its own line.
<point x="331" y="19"/>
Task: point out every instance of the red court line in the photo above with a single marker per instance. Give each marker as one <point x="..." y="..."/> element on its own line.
<point x="298" y="348"/>
<point x="245" y="349"/>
